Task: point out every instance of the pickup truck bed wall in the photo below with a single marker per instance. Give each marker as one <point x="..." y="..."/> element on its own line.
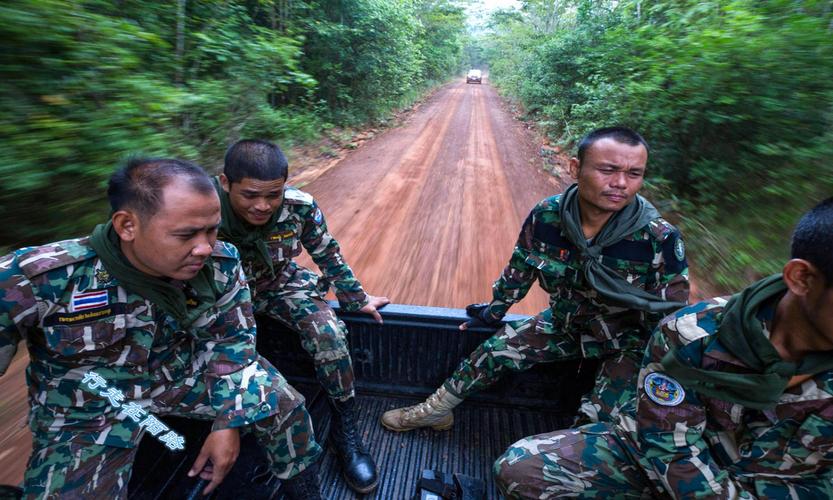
<point x="396" y="364"/>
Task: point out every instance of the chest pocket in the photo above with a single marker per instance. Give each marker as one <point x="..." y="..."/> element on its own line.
<point x="552" y="273"/>
<point x="632" y="260"/>
<point x="553" y="264"/>
<point x="84" y="337"/>
<point x="284" y="243"/>
<point x="811" y="447"/>
<point x="107" y="340"/>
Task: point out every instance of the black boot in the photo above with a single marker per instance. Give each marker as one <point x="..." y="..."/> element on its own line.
<point x="356" y="463"/>
<point x="304" y="486"/>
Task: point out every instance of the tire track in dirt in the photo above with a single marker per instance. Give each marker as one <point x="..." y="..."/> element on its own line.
<point x="428" y="213"/>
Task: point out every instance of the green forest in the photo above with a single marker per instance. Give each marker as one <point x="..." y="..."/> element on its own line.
<point x="83" y="84"/>
<point x="735" y="98"/>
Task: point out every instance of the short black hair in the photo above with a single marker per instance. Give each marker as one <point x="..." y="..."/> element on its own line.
<point x="255" y="159"/>
<point x="813" y="239"/>
<point x="138" y="185"/>
<point x="623" y="135"/>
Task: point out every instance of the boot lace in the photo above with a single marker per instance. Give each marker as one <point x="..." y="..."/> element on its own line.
<point x="348" y="432"/>
<point x="423" y="410"/>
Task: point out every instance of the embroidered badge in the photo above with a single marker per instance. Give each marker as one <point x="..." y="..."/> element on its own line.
<point x="81" y="317"/>
<point x="318" y="216"/>
<point x="679" y="249"/>
<point x="282" y="235"/>
<point x="89" y="300"/>
<point x="663" y="390"/>
<point x="103" y="276"/>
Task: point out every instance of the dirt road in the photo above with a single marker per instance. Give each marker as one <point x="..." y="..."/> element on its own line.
<point x="428" y="213"/>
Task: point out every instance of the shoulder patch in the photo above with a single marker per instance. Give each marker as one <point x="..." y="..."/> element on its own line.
<point x="663" y="390"/>
<point x="34" y="261"/>
<point x="226" y="250"/>
<point x="679" y="249"/>
<point x="295" y="196"/>
<point x="673" y="253"/>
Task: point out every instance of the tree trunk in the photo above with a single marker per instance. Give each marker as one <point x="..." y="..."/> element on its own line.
<point x="180" y="40"/>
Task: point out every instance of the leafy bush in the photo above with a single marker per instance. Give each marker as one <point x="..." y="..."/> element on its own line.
<point x="83" y="84"/>
<point x="736" y="99"/>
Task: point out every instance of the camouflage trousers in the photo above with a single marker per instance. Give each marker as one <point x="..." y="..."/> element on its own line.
<point x="294" y="299"/>
<point x="79" y="468"/>
<point x="602" y="460"/>
<point x="519" y="345"/>
<point x="590" y="461"/>
<point x="82" y="470"/>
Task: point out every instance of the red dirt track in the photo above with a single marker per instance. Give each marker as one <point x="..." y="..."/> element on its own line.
<point x="426" y="213"/>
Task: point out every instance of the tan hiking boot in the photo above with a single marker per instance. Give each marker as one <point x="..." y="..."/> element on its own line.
<point x="434" y="412"/>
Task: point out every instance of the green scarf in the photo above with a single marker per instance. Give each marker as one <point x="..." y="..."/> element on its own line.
<point x="607" y="282"/>
<point x="249" y="239"/>
<point x="741" y="333"/>
<point x="166" y="296"/>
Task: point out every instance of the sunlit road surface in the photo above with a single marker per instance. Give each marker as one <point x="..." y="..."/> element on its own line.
<point x="426" y="214"/>
<point x="15" y="439"/>
<point x="429" y="212"/>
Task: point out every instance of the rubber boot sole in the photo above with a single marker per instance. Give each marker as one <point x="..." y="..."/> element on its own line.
<point x="355" y="488"/>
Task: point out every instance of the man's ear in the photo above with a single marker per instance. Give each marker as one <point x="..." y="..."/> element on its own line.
<point x="125" y="223"/>
<point x="573" y="166"/>
<point x="802" y="277"/>
<point x="224" y="182"/>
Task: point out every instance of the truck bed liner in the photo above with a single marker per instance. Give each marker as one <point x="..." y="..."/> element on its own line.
<point x="481" y="433"/>
<point x="396" y="364"/>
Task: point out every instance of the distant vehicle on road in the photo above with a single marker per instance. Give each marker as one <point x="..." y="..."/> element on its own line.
<point x="474" y="76"/>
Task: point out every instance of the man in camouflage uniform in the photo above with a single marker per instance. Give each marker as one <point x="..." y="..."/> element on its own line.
<point x="148" y="316"/>
<point x="735" y="400"/>
<point x="607" y="291"/>
<point x="270" y="223"/>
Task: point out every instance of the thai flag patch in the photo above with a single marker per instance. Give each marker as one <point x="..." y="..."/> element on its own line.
<point x="89" y="300"/>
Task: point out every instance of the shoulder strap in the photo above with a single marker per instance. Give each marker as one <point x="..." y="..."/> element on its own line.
<point x="38" y="260"/>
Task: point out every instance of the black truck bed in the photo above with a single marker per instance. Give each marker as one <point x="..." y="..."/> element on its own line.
<point x="480" y="434"/>
<point x="396" y="364"/>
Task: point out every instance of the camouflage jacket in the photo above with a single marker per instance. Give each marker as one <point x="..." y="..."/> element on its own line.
<point x="652" y="258"/>
<point x="301" y="223"/>
<point x="704" y="447"/>
<point x="76" y="318"/>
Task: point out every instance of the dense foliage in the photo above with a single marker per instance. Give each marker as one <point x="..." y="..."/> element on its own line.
<point x="83" y="83"/>
<point x="735" y="97"/>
